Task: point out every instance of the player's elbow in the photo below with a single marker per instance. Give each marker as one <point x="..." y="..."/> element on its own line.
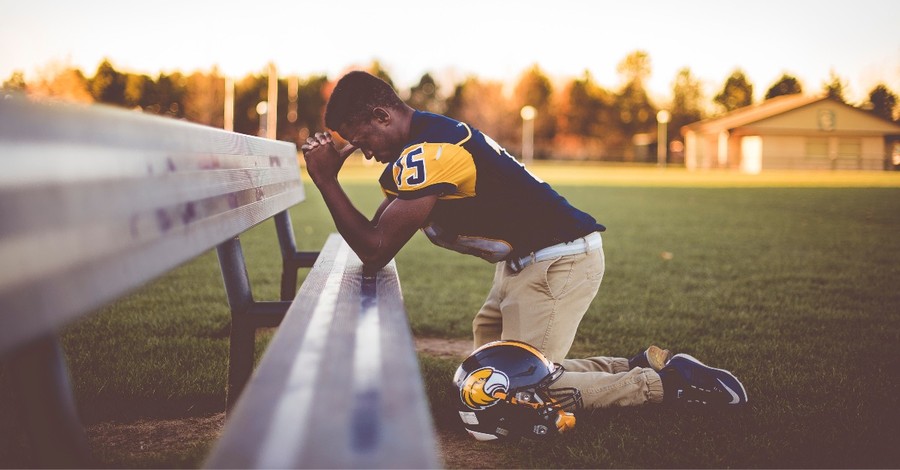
<point x="374" y="261"/>
<point x="376" y="250"/>
<point x="374" y="255"/>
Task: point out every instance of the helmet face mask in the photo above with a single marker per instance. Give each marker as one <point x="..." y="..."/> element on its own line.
<point x="505" y="392"/>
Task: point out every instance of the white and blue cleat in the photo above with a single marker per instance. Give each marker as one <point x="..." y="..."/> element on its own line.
<point x="689" y="381"/>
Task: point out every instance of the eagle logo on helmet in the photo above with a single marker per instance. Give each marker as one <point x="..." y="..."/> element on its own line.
<point x="479" y="388"/>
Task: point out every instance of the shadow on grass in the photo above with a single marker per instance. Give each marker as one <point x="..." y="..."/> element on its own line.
<point x="124" y="432"/>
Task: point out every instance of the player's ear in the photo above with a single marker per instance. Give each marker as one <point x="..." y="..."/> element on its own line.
<point x="381" y="115"/>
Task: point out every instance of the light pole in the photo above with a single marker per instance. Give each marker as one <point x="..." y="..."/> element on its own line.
<point x="528" y="114"/>
<point x="262" y="108"/>
<point x="229" y="104"/>
<point x="662" y="118"/>
<point x="272" y="103"/>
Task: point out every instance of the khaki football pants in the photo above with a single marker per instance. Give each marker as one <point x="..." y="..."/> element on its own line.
<point x="542" y="305"/>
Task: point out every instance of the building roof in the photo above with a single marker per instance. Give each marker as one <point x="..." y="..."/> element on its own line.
<point x="756" y="112"/>
<point x="772" y="107"/>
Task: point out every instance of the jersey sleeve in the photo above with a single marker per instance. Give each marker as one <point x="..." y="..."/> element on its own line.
<point x="387" y="182"/>
<point x="442" y="169"/>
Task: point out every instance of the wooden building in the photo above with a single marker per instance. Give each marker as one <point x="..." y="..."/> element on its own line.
<point x="792" y="132"/>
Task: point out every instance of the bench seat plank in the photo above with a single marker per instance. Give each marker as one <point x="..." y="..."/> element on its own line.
<point x="96" y="201"/>
<point x="339" y="385"/>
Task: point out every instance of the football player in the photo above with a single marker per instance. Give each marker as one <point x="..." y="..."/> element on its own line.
<point x="468" y="194"/>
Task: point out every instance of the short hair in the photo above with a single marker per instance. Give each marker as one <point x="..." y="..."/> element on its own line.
<point x="354" y="97"/>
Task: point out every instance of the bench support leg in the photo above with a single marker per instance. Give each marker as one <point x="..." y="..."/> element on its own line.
<point x="44" y="390"/>
<point x="246" y="314"/>
<point x="243" y="332"/>
<point x="240" y="358"/>
<point x="292" y="260"/>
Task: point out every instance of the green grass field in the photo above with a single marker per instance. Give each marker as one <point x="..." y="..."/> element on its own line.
<point x="790" y="280"/>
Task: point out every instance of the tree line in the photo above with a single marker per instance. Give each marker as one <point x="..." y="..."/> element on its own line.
<point x="579" y="119"/>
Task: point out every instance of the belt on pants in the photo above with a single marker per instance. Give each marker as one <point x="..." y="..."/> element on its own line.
<point x="582" y="245"/>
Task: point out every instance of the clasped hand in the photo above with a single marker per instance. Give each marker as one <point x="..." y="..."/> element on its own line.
<point x="323" y="159"/>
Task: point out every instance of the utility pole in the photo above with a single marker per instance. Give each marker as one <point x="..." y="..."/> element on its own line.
<point x="272" y="108"/>
<point x="229" y="104"/>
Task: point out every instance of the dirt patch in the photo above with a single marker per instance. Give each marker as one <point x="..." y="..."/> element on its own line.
<point x="146" y="436"/>
<point x="442" y="347"/>
<point x="134" y="441"/>
<point x="459" y="450"/>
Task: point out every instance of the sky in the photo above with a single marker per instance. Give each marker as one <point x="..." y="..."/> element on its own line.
<point x="493" y="39"/>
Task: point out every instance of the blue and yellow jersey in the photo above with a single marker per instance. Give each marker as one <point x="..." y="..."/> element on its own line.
<point x="488" y="205"/>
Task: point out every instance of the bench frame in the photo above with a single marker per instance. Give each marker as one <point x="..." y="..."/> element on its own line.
<point x="97" y="201"/>
<point x="39" y="373"/>
<point x="354" y="401"/>
<point x="247" y="314"/>
<point x="198" y="188"/>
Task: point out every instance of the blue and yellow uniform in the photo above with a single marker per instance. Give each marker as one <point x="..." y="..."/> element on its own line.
<point x="488" y="204"/>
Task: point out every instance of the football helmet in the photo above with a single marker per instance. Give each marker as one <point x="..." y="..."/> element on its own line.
<point x="504" y="392"/>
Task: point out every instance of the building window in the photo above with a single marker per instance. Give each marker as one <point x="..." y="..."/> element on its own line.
<point x="849" y="154"/>
<point x="849" y="148"/>
<point x="817" y="147"/>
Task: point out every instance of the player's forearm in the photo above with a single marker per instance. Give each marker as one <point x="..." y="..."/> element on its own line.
<point x="361" y="234"/>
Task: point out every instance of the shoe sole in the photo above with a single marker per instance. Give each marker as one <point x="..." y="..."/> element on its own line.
<point x="721" y="371"/>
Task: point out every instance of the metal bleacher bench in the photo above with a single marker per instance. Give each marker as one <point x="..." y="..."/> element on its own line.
<point x="96" y="201"/>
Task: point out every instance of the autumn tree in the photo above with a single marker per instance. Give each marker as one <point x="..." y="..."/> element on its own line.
<point x="636" y="113"/>
<point x="457" y="101"/>
<point x="140" y="91"/>
<point x="534" y="89"/>
<point x="61" y="82"/>
<point x="882" y="101"/>
<point x="586" y="121"/>
<point x="311" y="103"/>
<point x="687" y="100"/>
<point x="483" y="105"/>
<point x="301" y="107"/>
<point x="834" y="87"/>
<point x="170" y="91"/>
<point x="736" y="93"/>
<point x="583" y="106"/>
<point x="248" y="93"/>
<point x="424" y="95"/>
<point x="14" y="84"/>
<point x="375" y="68"/>
<point x="108" y="84"/>
<point x="786" y="85"/>
<point x="635" y="67"/>
<point x="204" y="98"/>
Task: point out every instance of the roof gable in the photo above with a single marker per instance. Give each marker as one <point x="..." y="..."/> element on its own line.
<point x="827" y="115"/>
<point x="797" y="112"/>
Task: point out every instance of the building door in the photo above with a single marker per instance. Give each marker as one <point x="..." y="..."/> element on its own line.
<point x="751" y="154"/>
